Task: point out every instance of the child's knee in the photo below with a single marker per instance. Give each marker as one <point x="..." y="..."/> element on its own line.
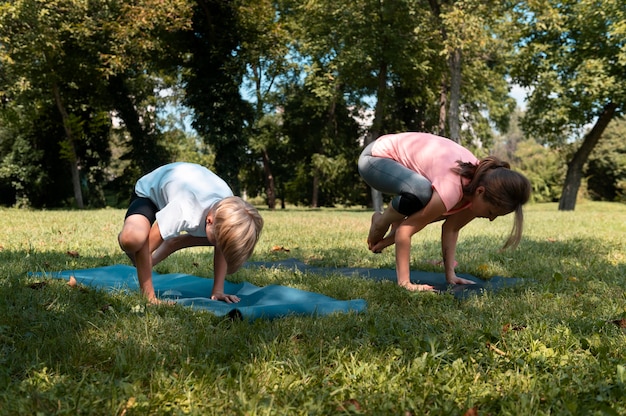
<point x="130" y="241"/>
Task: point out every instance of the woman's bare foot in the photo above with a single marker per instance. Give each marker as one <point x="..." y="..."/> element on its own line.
<point x="377" y="231"/>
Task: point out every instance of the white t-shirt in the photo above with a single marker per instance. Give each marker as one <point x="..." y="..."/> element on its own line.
<point x="184" y="193"/>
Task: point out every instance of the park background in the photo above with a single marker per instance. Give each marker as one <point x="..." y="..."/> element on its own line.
<point x="279" y="98"/>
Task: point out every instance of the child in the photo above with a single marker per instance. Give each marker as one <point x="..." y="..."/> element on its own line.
<point x="183" y="205"/>
<point x="436" y="179"/>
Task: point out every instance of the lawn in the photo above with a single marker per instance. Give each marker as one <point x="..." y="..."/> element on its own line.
<point x="553" y="345"/>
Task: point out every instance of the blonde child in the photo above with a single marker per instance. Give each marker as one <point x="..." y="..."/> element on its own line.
<point x="183" y="205"/>
<point x="434" y="179"/>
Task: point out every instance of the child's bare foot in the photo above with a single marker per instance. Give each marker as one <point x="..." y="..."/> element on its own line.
<point x="377" y="231"/>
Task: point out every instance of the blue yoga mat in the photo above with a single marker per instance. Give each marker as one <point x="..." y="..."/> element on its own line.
<point x="435" y="279"/>
<point x="271" y="301"/>
<point x="267" y="302"/>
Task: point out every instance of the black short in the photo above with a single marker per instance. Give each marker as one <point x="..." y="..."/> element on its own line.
<point x="142" y="206"/>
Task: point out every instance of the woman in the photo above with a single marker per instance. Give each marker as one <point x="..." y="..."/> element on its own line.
<point x="433" y="179"/>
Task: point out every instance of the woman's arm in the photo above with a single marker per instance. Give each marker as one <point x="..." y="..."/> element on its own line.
<point x="413" y="224"/>
<point x="449" y="237"/>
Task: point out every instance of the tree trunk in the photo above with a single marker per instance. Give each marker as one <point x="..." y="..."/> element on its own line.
<point x="69" y="134"/>
<point x="575" y="166"/>
<point x="145" y="151"/>
<point x="316" y="189"/>
<point x="268" y="177"/>
<point x="270" y="186"/>
<point x="375" y="131"/>
<point x="454" y="118"/>
<point x="443" y="102"/>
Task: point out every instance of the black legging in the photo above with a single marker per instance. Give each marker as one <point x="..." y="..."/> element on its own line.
<point x="412" y="190"/>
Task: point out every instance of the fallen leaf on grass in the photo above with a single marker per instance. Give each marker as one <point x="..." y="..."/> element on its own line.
<point x="496" y="349"/>
<point x="509" y="327"/>
<point x="72" y="282"/>
<point x="620" y="323"/>
<point x="280" y="248"/>
<point x="129" y="405"/>
<point x="350" y="406"/>
<point x="73" y="253"/>
<point x="38" y="285"/>
<point x="472" y="412"/>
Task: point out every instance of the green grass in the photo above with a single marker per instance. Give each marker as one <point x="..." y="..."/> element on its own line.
<point x="550" y="346"/>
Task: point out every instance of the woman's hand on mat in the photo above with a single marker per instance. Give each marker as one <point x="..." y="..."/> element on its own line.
<point x="454" y="280"/>
<point x="225" y="298"/>
<point x="417" y="288"/>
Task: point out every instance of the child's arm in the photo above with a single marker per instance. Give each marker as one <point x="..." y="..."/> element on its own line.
<point x="219" y="274"/>
<point x="449" y="237"/>
<point x="171" y="245"/>
<point x="413" y="224"/>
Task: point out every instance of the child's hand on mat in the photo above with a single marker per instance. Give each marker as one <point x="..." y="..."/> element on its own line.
<point x="225" y="298"/>
<point x="459" y="281"/>
<point x="417" y="288"/>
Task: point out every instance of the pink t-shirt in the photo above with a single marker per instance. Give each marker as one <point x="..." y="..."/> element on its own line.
<point x="431" y="156"/>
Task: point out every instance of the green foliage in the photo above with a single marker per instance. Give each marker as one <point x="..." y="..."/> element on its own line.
<point x="553" y="345"/>
<point x="72" y="69"/>
<point x="323" y="134"/>
<point x="606" y="170"/>
<point x="569" y="54"/>
<point x="544" y="167"/>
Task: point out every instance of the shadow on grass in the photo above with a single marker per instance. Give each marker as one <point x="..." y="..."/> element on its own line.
<point x="46" y="324"/>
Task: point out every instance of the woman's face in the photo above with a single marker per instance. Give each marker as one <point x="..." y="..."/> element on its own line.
<point x="484" y="209"/>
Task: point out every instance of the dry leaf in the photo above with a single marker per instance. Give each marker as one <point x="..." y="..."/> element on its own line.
<point x="38" y="285"/>
<point x="472" y="412"/>
<point x="496" y="349"/>
<point x="509" y="327"/>
<point x="350" y="405"/>
<point x="620" y="323"/>
<point x="280" y="248"/>
<point x="72" y="282"/>
<point x="72" y="253"/>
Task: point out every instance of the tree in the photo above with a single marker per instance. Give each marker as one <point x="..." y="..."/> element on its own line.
<point x="265" y="42"/>
<point x="379" y="44"/>
<point x="86" y="58"/>
<point x="213" y="76"/>
<point x="571" y="55"/>
<point x="606" y="169"/>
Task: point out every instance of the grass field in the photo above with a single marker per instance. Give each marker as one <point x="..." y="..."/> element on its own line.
<point x="553" y="346"/>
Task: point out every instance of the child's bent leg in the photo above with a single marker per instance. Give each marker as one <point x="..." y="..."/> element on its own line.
<point x="134" y="233"/>
<point x="133" y="239"/>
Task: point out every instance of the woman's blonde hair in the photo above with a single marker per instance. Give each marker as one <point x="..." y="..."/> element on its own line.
<point x="504" y="188"/>
<point x="237" y="226"/>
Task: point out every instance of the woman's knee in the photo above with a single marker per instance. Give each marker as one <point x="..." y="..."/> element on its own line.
<point x="407" y="203"/>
